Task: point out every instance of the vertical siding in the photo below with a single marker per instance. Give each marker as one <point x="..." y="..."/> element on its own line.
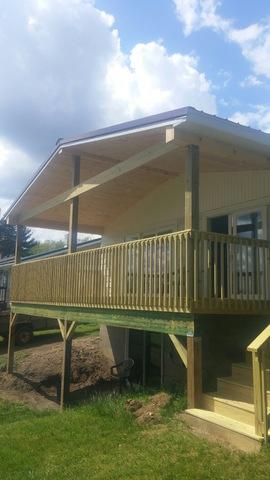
<point x="164" y="207"/>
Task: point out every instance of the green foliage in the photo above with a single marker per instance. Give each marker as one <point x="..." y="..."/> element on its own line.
<point x="28" y="242"/>
<point x="47" y="246"/>
<point x="8" y="240"/>
<point x="101" y="441"/>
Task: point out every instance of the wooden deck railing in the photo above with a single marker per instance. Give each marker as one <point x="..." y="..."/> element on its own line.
<point x="186" y="271"/>
<point x="260" y="350"/>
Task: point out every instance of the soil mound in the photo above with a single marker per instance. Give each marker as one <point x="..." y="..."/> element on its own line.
<point x="38" y="372"/>
<point x="149" y="412"/>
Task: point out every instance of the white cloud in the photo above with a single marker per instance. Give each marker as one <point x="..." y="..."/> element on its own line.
<point x="152" y="81"/>
<point x="251" y="81"/>
<point x="196" y="14"/>
<point x="254" y="40"/>
<point x="65" y="73"/>
<point x="257" y="117"/>
<point x="15" y="167"/>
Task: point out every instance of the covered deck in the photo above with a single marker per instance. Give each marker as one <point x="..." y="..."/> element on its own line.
<point x="157" y="283"/>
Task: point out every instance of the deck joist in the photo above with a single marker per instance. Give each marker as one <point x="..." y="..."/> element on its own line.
<point x="163" y="322"/>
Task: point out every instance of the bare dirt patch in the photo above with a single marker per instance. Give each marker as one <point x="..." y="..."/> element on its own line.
<point x="38" y="374"/>
<point x="149" y="412"/>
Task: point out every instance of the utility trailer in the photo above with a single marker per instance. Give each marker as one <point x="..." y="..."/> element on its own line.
<point x="25" y="327"/>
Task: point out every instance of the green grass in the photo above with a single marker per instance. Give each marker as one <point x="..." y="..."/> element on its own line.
<point x="81" y="330"/>
<point x="101" y="441"/>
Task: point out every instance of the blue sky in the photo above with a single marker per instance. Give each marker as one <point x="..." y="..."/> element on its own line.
<point x="220" y="59"/>
<point x="76" y="65"/>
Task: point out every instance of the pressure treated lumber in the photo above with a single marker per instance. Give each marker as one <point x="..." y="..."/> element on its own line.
<point x="192" y="187"/>
<point x="162" y="322"/>
<point x="180" y="348"/>
<point x="18" y="244"/>
<point x="11" y="343"/>
<point x="67" y="329"/>
<point x="194" y="371"/>
<point x="74" y="206"/>
<point x="183" y="272"/>
<point x="224" y="429"/>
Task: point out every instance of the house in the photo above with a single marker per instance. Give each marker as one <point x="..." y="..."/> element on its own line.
<point x="182" y="202"/>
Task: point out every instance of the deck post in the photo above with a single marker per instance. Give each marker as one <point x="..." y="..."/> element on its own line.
<point x="11" y="343"/>
<point x="192" y="188"/>
<point x="67" y="330"/>
<point x="13" y="317"/>
<point x="74" y="206"/>
<point x="194" y="371"/>
<point x="18" y="245"/>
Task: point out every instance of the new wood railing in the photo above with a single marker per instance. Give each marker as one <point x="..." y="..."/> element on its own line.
<point x="260" y="350"/>
<point x="186" y="271"/>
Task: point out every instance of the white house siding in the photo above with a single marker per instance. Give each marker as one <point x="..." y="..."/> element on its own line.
<point x="162" y="209"/>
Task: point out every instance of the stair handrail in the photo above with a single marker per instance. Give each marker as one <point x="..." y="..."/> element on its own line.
<point x="258" y="350"/>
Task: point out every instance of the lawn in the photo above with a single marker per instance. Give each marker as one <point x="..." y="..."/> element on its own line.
<point x="100" y="440"/>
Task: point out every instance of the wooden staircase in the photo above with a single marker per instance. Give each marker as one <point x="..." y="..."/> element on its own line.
<point x="228" y="413"/>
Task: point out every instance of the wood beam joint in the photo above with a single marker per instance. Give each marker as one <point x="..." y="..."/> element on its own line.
<point x="131" y="163"/>
<point x="180" y="348"/>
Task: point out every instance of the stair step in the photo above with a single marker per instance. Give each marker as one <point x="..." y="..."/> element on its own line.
<point x="241" y="411"/>
<point x="236" y="391"/>
<point x="242" y="373"/>
<point x="227" y="430"/>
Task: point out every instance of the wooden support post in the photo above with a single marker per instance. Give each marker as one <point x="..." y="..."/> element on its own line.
<point x="162" y="340"/>
<point x="74" y="206"/>
<point x="194" y="371"/>
<point x="192" y="188"/>
<point x="67" y="329"/>
<point x="18" y="245"/>
<point x="260" y="394"/>
<point x="11" y="343"/>
<point x="144" y="359"/>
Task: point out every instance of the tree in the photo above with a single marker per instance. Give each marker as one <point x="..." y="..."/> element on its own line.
<point x="8" y="240"/>
<point x="47" y="246"/>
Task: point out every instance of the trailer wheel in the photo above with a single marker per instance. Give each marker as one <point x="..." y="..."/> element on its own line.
<point x="23" y="335"/>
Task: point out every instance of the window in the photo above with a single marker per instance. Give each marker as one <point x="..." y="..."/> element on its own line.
<point x="249" y="225"/>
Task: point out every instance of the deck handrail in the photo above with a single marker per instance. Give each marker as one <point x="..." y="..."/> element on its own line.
<point x="260" y="340"/>
<point x="185" y="271"/>
<point x="259" y="349"/>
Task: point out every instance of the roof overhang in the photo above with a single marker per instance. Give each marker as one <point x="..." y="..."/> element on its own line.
<point x="224" y="146"/>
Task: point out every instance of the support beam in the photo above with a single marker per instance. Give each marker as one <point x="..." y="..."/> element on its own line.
<point x="74" y="206"/>
<point x="179" y="347"/>
<point x="67" y="329"/>
<point x="131" y="163"/>
<point x="194" y="371"/>
<point x="18" y="245"/>
<point x="192" y="188"/>
<point x="11" y="343"/>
